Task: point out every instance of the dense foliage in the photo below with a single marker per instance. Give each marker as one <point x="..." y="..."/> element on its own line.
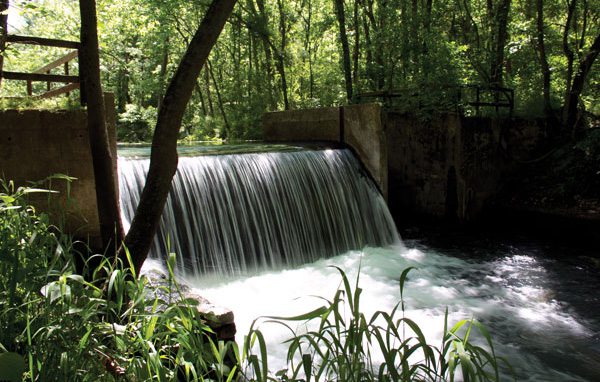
<point x="55" y="325"/>
<point x="277" y="54"/>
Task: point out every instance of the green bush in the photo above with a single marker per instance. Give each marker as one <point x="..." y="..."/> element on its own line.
<point x="57" y="326"/>
<point x="136" y="123"/>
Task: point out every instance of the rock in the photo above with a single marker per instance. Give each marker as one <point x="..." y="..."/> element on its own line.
<point x="218" y="318"/>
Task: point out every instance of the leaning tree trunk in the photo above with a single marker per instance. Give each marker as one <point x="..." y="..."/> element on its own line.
<point x="163" y="158"/>
<point x="107" y="195"/>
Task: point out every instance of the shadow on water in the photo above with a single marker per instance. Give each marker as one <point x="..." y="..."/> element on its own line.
<point x="551" y="287"/>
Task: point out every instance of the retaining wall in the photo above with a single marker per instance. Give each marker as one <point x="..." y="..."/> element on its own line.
<point x="451" y="166"/>
<point x="36" y="144"/>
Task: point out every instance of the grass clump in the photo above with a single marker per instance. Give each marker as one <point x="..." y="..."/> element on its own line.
<point x="387" y="346"/>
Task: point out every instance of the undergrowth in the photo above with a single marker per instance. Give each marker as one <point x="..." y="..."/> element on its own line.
<point x="57" y="326"/>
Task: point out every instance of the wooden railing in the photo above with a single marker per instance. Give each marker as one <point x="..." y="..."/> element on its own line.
<point x="44" y="74"/>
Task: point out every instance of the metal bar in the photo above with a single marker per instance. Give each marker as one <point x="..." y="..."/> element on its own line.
<point x="500" y="104"/>
<point x="39" y="77"/>
<point x="58" y="62"/>
<point x="43" y="41"/>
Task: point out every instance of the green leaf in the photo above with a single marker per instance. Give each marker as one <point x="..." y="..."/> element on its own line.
<point x="38" y="190"/>
<point x="302" y="317"/>
<point x="55" y="290"/>
<point x="12" y="367"/>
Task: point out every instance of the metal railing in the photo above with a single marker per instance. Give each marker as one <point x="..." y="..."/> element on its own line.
<point x="461" y="98"/>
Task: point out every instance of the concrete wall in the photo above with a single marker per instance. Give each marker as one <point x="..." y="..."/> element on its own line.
<point x="420" y="156"/>
<point x="451" y="166"/>
<point x="447" y="167"/>
<point x="358" y="126"/>
<point x="321" y="124"/>
<point x="35" y="144"/>
<point x="363" y="130"/>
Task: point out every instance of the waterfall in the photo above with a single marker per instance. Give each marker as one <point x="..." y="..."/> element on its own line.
<point x="231" y="214"/>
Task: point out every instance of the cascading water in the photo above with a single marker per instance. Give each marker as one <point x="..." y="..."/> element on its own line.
<point x="231" y="214"/>
<point x="236" y="214"/>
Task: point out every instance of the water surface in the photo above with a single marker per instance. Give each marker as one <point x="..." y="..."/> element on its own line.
<point x="542" y="309"/>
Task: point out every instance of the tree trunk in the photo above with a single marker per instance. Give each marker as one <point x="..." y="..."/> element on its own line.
<point x="369" y="52"/>
<point x="541" y="47"/>
<point x="201" y="96"/>
<point x="567" y="107"/>
<point x="102" y="159"/>
<point x="122" y="96"/>
<point x="250" y="73"/>
<point x="372" y="44"/>
<point x="211" y="109"/>
<point x="499" y="43"/>
<point x="356" y="50"/>
<point x="414" y="32"/>
<point x="576" y="88"/>
<point x="281" y="54"/>
<point x="3" y="32"/>
<point x="427" y="19"/>
<point x="263" y="33"/>
<point x="219" y="100"/>
<point x="280" y="65"/>
<point x="380" y="33"/>
<point x="163" y="159"/>
<point x="339" y="11"/>
<point x="308" y="49"/>
<point x="163" y="72"/>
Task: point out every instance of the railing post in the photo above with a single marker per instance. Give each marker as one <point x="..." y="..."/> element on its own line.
<point x="497" y="100"/>
<point x="3" y="33"/>
<point x="82" y="75"/>
<point x="66" y="74"/>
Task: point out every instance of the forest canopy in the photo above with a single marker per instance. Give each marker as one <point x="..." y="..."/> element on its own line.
<point x="282" y="54"/>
